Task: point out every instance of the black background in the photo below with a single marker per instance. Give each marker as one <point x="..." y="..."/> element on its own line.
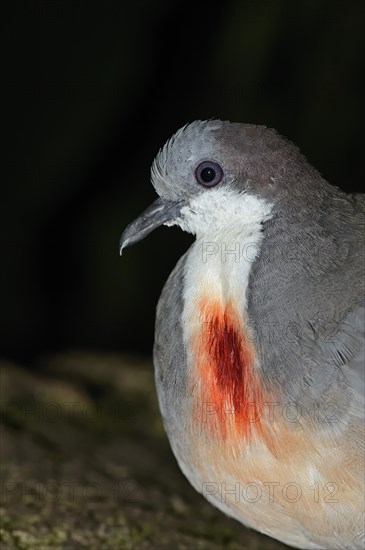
<point x="95" y="90"/>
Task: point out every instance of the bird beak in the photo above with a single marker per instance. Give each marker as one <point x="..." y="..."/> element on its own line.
<point x="161" y="211"/>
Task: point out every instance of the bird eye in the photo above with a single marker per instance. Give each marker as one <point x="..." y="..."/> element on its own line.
<point x="209" y="173"/>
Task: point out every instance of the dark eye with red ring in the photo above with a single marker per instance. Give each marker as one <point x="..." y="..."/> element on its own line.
<point x="209" y="173"/>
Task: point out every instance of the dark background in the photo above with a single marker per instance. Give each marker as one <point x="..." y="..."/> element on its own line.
<point x="95" y="90"/>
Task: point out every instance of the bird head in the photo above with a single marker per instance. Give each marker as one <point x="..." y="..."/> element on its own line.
<point x="213" y="175"/>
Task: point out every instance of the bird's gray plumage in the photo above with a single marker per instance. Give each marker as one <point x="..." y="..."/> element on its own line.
<point x="169" y="349"/>
<point x="315" y="259"/>
<point x="304" y="306"/>
<point x="312" y="255"/>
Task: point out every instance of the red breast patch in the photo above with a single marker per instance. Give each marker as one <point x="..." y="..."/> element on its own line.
<point x="230" y="395"/>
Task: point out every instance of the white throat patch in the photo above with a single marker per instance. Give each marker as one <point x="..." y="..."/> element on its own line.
<point x="228" y="230"/>
<point x="220" y="211"/>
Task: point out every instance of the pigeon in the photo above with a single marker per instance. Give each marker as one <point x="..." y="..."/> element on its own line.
<point x="259" y="336"/>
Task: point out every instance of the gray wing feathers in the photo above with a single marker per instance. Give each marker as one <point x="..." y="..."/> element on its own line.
<point x="169" y="349"/>
<point x="306" y="302"/>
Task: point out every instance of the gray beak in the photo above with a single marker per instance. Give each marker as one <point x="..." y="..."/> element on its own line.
<point x="160" y="212"/>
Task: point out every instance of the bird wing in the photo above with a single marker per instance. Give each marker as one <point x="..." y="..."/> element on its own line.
<point x="340" y="348"/>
